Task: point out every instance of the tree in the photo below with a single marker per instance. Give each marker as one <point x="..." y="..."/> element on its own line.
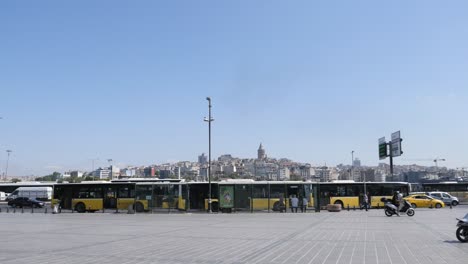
<point x="15" y="180"/>
<point x="51" y="177"/>
<point x="72" y="179"/>
<point x="89" y="178"/>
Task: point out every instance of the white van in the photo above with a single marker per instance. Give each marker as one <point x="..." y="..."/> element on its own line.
<point x="39" y="193"/>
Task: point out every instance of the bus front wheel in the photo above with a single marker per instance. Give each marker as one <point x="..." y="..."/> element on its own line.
<point x="340" y="203"/>
<point x="80" y="208"/>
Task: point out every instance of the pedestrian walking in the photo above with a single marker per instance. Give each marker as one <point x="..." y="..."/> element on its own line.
<point x="366" y="201"/>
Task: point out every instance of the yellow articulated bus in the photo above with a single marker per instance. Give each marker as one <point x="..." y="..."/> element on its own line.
<point x="96" y="196"/>
<point x="227" y="196"/>
<point x="120" y="195"/>
<point x="162" y="195"/>
<point x="249" y="195"/>
<point x="351" y="194"/>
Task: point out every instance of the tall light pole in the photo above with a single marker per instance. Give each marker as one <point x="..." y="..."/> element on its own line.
<point x="92" y="160"/>
<point x="8" y="159"/>
<point x="209" y="120"/>
<point x="110" y="168"/>
<point x="352" y="165"/>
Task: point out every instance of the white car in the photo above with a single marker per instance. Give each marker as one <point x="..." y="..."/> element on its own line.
<point x="445" y="197"/>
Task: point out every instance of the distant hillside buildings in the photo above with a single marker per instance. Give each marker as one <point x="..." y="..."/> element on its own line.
<point x="269" y="169"/>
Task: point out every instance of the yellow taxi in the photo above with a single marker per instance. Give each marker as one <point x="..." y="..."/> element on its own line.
<point x="422" y="200"/>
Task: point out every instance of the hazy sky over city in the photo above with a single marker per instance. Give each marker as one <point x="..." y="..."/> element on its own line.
<point x="310" y="80"/>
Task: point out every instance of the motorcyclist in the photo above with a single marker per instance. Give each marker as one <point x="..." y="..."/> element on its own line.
<point x="401" y="203"/>
<point x="397" y="201"/>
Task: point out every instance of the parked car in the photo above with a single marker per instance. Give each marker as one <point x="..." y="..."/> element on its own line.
<point x="422" y="200"/>
<point x="445" y="197"/>
<point x="25" y="202"/>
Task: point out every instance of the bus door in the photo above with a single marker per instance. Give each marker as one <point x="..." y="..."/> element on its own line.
<point x="325" y="193"/>
<point x="294" y="189"/>
<point x="242" y="196"/>
<point x="64" y="194"/>
<point x="198" y="194"/>
<point x="110" y="197"/>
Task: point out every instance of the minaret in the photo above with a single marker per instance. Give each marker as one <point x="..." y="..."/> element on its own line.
<point x="261" y="152"/>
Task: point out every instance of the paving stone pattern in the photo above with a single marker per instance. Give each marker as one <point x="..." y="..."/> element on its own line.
<point x="344" y="237"/>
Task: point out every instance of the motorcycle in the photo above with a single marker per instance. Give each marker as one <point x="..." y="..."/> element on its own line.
<point x="462" y="230"/>
<point x="391" y="209"/>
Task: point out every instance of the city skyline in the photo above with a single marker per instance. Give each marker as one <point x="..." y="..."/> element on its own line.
<point x="311" y="81"/>
<point x="262" y="155"/>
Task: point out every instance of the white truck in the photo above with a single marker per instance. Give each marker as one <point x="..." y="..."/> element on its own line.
<point x="39" y="193"/>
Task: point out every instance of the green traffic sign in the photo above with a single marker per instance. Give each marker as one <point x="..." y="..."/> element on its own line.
<point x="383" y="153"/>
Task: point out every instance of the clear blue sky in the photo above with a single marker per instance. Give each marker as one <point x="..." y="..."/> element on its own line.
<point x="310" y="80"/>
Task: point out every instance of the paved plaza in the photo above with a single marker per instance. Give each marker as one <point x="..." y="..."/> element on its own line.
<point x="344" y="237"/>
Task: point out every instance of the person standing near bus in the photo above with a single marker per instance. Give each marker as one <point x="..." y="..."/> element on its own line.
<point x="304" y="204"/>
<point x="294" y="204"/>
<point x="282" y="206"/>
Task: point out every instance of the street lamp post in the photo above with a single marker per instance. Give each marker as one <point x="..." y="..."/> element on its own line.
<point x="352" y="165"/>
<point x="8" y="159"/>
<point x="209" y="120"/>
<point x="93" y="160"/>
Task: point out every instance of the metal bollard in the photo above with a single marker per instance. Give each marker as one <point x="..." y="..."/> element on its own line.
<point x="450" y="206"/>
<point x="103" y="209"/>
<point x="354" y="208"/>
<point x="348" y="207"/>
<point x="22" y="210"/>
<point x="32" y="209"/>
<point x="14" y="210"/>
<point x="378" y="205"/>
<point x="7" y="210"/>
<point x="45" y="212"/>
